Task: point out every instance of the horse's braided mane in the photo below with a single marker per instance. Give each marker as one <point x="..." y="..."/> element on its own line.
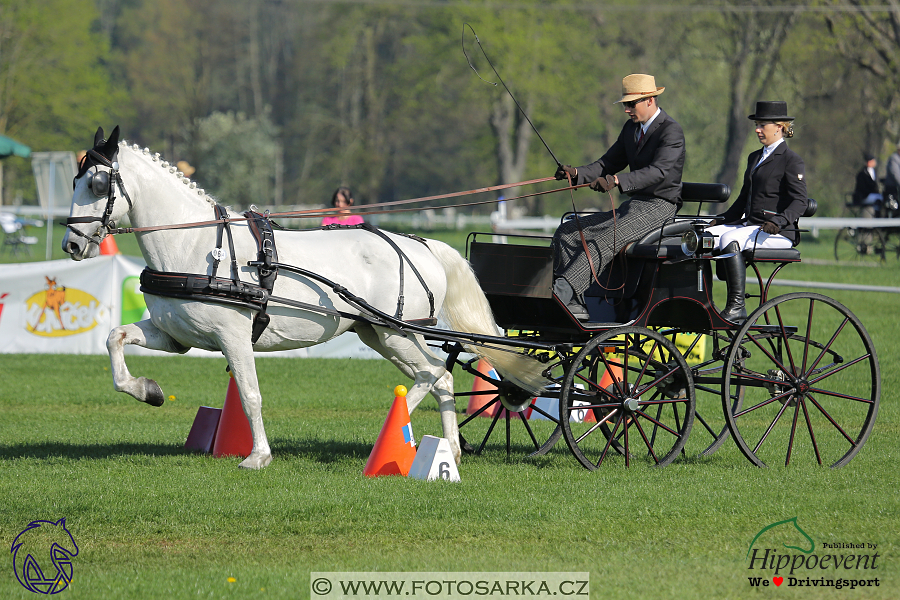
<point x="172" y="169"/>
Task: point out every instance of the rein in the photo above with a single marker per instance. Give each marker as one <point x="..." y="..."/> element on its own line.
<point x="366" y="209"/>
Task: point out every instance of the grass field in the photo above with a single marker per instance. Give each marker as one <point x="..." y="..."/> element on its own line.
<point x="154" y="521"/>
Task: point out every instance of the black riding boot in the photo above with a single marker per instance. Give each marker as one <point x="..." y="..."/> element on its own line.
<point x="735" y="279"/>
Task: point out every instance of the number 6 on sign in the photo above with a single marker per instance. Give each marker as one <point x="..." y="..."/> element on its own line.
<point x="434" y="460"/>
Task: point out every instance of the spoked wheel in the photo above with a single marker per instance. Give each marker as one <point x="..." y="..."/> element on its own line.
<point x="811" y="382"/>
<point x="892" y="244"/>
<point x="859" y="245"/>
<point x="504" y="415"/>
<point x="705" y="354"/>
<point x="640" y="392"/>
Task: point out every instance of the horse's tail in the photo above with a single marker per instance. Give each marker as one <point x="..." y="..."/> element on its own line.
<point x="466" y="309"/>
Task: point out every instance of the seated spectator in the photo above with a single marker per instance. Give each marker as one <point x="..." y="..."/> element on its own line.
<point x="866" y="192"/>
<point x="342" y="197"/>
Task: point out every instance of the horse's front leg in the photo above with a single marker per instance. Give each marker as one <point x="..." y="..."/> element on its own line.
<point x="443" y="393"/>
<point x="146" y="335"/>
<point x="243" y="366"/>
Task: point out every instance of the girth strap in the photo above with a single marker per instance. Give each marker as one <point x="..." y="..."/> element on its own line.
<point x="217" y="289"/>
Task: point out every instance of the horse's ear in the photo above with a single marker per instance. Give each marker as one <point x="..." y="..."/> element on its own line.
<point x="110" y="148"/>
<point x="98" y="137"/>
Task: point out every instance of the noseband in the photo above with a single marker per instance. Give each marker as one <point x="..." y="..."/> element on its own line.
<point x="101" y="183"/>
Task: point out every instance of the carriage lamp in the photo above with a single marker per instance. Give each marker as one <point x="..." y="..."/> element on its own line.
<point x="697" y="240"/>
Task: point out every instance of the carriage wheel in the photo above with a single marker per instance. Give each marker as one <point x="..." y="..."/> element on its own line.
<point x="639" y="391"/>
<point x="527" y="423"/>
<point x="811" y="382"/>
<point x="859" y="245"/>
<point x="705" y="354"/>
<point x="892" y="244"/>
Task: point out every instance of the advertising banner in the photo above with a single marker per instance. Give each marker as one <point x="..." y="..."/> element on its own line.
<point x="69" y="307"/>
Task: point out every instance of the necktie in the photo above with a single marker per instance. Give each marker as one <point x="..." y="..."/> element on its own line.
<point x="761" y="159"/>
<point x="641" y="137"/>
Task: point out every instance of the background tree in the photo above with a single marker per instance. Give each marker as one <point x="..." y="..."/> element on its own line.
<point x="750" y="43"/>
<point x="237" y="158"/>
<point x="54" y="87"/>
<point x="870" y="39"/>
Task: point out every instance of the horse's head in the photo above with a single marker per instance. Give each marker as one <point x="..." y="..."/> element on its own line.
<point x="94" y="208"/>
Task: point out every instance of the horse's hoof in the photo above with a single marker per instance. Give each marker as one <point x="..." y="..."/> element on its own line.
<point x="256" y="462"/>
<point x="153" y="394"/>
<point x="465" y="446"/>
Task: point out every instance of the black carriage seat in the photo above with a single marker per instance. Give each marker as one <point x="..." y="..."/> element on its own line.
<point x="780" y="254"/>
<point x="665" y="243"/>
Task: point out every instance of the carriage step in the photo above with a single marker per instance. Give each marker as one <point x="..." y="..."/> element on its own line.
<point x="774" y="329"/>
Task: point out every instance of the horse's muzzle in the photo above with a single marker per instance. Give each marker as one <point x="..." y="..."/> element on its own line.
<point x="78" y="247"/>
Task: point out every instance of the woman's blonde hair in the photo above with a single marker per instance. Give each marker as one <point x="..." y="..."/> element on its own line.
<point x="787" y="128"/>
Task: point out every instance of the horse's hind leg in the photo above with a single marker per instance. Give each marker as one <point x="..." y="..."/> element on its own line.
<point x="243" y="367"/>
<point x="415" y="360"/>
<point x="146" y="335"/>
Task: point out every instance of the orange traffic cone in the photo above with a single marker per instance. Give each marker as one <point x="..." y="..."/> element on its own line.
<point x="480" y="385"/>
<point x="605" y="381"/>
<point x="108" y="246"/>
<point x="233" y="437"/>
<point x="395" y="449"/>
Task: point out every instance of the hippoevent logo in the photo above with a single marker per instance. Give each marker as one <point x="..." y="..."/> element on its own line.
<point x="770" y="558"/>
<point x="58" y="311"/>
<point x="42" y="556"/>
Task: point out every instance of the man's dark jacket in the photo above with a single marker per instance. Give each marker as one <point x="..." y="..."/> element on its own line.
<point x="776" y="191"/>
<point x="865" y="185"/>
<point x="655" y="164"/>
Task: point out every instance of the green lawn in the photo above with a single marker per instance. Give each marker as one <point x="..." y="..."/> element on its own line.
<point x="154" y="521"/>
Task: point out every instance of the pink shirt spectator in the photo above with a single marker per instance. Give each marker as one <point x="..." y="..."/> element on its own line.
<point x="348" y="220"/>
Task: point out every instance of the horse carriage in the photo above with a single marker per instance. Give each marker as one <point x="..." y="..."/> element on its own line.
<point x="656" y="359"/>
<point x="798" y="379"/>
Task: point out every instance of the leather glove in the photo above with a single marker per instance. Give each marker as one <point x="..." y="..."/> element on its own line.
<point x="562" y="170"/>
<point x="603" y="184"/>
<point x="770" y="228"/>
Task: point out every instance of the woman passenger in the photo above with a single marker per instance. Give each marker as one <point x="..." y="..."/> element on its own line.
<point x="772" y="200"/>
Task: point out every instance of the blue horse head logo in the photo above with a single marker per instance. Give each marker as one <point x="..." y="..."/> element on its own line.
<point x="42" y="556"/>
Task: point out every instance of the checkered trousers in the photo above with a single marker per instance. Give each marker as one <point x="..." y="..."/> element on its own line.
<point x="605" y="237"/>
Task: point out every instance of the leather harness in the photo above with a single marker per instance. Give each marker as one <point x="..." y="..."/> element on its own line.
<point x="234" y="292"/>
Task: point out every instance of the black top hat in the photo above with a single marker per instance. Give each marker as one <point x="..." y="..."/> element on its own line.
<point x="867" y="156"/>
<point x="771" y="110"/>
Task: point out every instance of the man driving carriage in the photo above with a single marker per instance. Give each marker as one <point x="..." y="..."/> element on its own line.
<point x="651" y="144"/>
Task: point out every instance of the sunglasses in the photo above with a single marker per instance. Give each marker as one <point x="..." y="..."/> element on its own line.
<point x="633" y="103"/>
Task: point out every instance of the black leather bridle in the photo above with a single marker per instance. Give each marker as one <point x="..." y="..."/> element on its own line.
<point x="101" y="183"/>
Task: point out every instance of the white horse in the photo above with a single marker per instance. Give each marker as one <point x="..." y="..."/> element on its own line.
<point x="153" y="194"/>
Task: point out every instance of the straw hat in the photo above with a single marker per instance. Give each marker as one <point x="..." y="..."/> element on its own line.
<point x="185" y="167"/>
<point x="638" y="86"/>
